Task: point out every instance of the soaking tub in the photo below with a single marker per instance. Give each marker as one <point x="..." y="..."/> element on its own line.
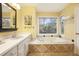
<point x="51" y="46"/>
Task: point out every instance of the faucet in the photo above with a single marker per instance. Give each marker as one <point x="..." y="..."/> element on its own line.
<point x="14" y="35"/>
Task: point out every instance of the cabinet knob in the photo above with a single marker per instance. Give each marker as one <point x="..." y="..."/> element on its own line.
<point x="72" y="40"/>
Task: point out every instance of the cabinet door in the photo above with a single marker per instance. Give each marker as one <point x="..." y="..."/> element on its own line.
<point x="26" y="48"/>
<point x="27" y="40"/>
<point x="12" y="52"/>
<point x="77" y="45"/>
<point x="21" y="49"/>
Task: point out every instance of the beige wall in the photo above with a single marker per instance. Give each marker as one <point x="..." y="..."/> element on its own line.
<point x="69" y="24"/>
<point x="47" y="14"/>
<point x="28" y="11"/>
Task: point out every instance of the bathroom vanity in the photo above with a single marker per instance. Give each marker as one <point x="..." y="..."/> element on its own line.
<point x="15" y="46"/>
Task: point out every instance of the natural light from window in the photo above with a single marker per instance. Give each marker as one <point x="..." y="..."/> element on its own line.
<point x="47" y="25"/>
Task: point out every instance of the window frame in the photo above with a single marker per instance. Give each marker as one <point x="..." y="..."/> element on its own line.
<point x="61" y="26"/>
<point x="62" y="34"/>
<point x="47" y="33"/>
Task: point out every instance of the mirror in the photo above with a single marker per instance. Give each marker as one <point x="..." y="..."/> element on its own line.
<point x="8" y="17"/>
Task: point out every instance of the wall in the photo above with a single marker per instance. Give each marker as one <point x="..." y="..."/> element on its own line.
<point x="47" y="14"/>
<point x="28" y="11"/>
<point x="69" y="24"/>
<point x="31" y="11"/>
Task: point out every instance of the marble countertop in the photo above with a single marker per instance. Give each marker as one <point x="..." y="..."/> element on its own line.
<point x="10" y="43"/>
<point x="51" y="40"/>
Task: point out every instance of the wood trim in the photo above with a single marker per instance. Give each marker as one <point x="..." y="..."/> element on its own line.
<point x="7" y="29"/>
<point x="0" y="16"/>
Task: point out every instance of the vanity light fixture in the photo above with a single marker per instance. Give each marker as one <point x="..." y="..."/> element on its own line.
<point x="18" y="6"/>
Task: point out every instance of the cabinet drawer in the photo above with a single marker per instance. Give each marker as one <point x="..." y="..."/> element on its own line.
<point x="21" y="49"/>
<point x="12" y="52"/>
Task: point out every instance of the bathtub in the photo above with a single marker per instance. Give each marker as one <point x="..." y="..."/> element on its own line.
<point x="51" y="40"/>
<point x="54" y="46"/>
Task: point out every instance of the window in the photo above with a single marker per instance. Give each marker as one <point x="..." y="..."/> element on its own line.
<point x="47" y="25"/>
<point x="62" y="25"/>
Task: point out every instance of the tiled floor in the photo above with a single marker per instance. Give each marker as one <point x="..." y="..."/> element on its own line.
<point x="51" y="50"/>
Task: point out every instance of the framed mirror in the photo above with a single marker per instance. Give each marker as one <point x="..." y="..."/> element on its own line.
<point x="8" y="18"/>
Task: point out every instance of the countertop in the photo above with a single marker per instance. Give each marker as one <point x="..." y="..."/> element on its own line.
<point x="10" y="43"/>
<point x="51" y="40"/>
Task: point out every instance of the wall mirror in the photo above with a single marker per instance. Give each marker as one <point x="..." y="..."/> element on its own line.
<point x="8" y="17"/>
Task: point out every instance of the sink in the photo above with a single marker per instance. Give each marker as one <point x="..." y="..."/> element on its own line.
<point x="1" y="42"/>
<point x="17" y="37"/>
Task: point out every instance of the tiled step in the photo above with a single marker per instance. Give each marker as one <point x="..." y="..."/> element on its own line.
<point x="51" y="49"/>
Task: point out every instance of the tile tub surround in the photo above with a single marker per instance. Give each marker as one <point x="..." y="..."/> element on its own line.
<point x="51" y="50"/>
<point x="51" y="46"/>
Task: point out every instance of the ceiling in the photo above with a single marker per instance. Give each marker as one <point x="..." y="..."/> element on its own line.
<point x="47" y="7"/>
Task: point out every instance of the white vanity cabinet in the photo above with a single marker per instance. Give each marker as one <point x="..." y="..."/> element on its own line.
<point x="21" y="48"/>
<point x="27" y="40"/>
<point x="26" y="49"/>
<point x="12" y="52"/>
